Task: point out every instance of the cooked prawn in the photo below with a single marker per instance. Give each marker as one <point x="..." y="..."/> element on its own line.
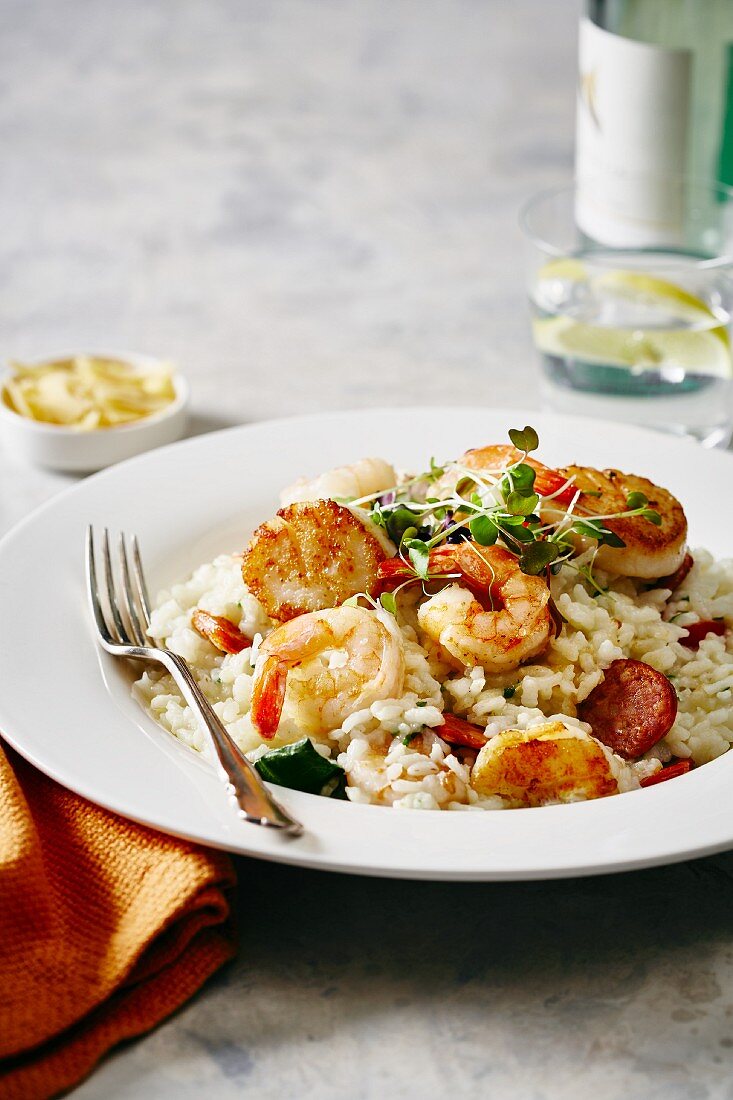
<point x="360" y="479"/>
<point x="498" y="457"/>
<point x="323" y="666"/>
<point x="311" y="556"/>
<point x="221" y="632"/>
<point x="498" y="618"/>
<point x="651" y="551"/>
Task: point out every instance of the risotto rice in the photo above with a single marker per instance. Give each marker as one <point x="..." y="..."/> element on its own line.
<point x="392" y="751"/>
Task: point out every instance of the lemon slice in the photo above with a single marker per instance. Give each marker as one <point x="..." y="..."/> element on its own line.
<point x="700" y="351"/>
<point x="644" y="289"/>
<point x="567" y="268"/>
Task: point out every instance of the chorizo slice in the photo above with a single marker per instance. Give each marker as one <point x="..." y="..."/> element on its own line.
<point x="221" y="632"/>
<point x="632" y="708"/>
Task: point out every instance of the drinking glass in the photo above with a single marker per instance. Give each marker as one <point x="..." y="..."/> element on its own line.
<point x="631" y="295"/>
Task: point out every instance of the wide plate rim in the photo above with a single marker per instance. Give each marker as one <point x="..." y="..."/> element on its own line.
<point x="288" y="851"/>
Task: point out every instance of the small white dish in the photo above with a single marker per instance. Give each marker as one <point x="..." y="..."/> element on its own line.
<point x="60" y="448"/>
<point x="204" y="496"/>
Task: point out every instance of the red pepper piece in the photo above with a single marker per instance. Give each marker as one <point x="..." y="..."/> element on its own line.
<point x="456" y="731"/>
<point x="670" y="772"/>
<point x="697" y="631"/>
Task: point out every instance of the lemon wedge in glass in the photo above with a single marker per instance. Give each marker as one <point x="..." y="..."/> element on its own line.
<point x="691" y="339"/>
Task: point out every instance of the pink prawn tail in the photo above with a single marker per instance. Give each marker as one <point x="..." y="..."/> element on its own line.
<point x="268" y="697"/>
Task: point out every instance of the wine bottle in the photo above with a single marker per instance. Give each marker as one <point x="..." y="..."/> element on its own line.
<point x="655" y="103"/>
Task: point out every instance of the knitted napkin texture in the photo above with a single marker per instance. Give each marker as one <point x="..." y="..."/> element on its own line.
<point x="106" y="927"/>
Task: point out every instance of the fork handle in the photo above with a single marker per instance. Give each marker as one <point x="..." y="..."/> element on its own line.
<point x="245" y="787"/>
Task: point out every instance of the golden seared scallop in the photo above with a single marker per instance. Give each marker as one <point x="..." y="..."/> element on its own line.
<point x="548" y="763"/>
<point x="311" y="556"/>
<point x="651" y="551"/>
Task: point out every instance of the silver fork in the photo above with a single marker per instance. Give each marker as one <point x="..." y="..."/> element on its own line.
<point x="122" y="629"/>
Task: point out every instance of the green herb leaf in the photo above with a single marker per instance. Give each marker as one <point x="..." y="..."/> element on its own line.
<point x="377" y="515"/>
<point x="516" y="531"/>
<point x="652" y="516"/>
<point x="336" y="787"/>
<point x="525" y="439"/>
<point x="636" y="500"/>
<point x="408" y="738"/>
<point x="595" y="529"/>
<point x="588" y="528"/>
<point x="520" y="503"/>
<point x="419" y="553"/>
<point x="397" y="521"/>
<point x="523" y="476"/>
<point x="301" y="768"/>
<point x="610" y="538"/>
<point x="519" y="478"/>
<point x="509" y="692"/>
<point x="388" y="602"/>
<point x="483" y="531"/>
<point x="535" y="558"/>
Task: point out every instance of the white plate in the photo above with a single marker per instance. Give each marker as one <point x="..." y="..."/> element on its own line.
<point x="194" y="499"/>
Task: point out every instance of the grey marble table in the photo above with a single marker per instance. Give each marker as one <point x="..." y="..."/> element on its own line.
<point x="312" y="205"/>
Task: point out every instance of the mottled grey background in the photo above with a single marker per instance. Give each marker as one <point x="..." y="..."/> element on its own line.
<point x="312" y="204"/>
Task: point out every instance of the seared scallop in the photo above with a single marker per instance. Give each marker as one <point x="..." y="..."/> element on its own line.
<point x="651" y="551"/>
<point x="548" y="763"/>
<point x="311" y="556"/>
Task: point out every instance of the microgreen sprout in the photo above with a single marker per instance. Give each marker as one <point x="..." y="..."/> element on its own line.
<point x="524" y="439"/>
<point x="388" y="602"/>
<point x="353" y="601"/>
<point x="451" y="501"/>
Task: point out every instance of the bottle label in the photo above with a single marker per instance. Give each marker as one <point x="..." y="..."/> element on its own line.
<point x="632" y="124"/>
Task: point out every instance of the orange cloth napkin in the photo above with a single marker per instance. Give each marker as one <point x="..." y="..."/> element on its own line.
<point x="106" y="927"/>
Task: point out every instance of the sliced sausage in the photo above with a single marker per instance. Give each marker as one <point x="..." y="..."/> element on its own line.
<point x="221" y="632"/>
<point x="696" y="632"/>
<point x="672" y="770"/>
<point x="674" y="580"/>
<point x="632" y="708"/>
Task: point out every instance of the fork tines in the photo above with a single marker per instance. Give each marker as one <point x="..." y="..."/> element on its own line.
<point x="121" y="607"/>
